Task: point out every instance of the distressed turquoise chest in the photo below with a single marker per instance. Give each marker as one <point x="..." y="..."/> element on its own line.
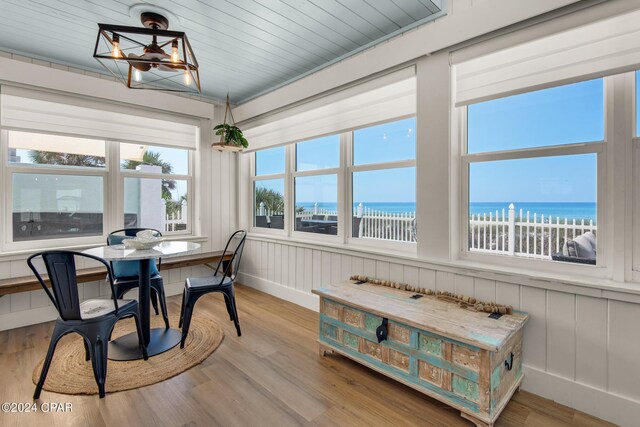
<point x="464" y="358"/>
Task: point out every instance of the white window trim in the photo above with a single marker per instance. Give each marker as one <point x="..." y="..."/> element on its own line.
<point x="602" y="269"/>
<point x="113" y="189"/>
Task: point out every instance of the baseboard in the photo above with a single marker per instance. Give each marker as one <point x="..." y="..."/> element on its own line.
<point x="599" y="403"/>
<point x="295" y="296"/>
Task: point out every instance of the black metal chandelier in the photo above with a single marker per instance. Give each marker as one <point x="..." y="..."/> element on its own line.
<point x="148" y="58"/>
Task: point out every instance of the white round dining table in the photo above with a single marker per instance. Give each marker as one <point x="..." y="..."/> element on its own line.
<point x="157" y="340"/>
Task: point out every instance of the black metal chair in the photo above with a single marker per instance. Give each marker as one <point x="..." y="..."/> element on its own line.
<point x="196" y="287"/>
<point x="125" y="273"/>
<point x="92" y="319"/>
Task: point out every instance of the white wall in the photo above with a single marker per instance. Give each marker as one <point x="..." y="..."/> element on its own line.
<point x="215" y="186"/>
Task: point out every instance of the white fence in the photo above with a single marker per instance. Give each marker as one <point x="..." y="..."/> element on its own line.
<point x="177" y="220"/>
<point x="527" y="235"/>
<point x="369" y="223"/>
<point x="399" y="227"/>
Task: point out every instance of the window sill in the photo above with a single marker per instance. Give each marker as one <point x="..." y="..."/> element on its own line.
<point x="24" y="254"/>
<point x="581" y="284"/>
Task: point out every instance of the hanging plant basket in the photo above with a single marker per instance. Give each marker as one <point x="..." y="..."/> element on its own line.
<point x="231" y="137"/>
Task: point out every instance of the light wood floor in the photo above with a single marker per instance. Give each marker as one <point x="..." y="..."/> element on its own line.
<point x="271" y="376"/>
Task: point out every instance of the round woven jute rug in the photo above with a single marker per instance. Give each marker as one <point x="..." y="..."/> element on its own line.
<point x="70" y="373"/>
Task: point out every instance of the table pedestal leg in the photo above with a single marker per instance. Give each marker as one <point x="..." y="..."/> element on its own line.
<point x="158" y="340"/>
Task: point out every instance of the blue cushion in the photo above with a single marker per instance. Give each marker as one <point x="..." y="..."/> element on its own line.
<point x="127" y="268"/>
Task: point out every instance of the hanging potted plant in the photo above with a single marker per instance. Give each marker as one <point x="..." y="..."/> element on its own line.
<point x="231" y="137"/>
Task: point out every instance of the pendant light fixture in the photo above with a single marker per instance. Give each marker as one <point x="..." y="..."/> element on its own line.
<point x="152" y="57"/>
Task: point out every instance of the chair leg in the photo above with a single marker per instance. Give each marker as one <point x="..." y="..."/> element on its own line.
<point x="230" y="297"/>
<point x="182" y="308"/>
<point x="87" y="355"/>
<point x="163" y="306"/>
<point x="154" y="300"/>
<point x="188" y="312"/>
<point x="99" y="348"/>
<point x="55" y="337"/>
<point x="227" y="302"/>
<point x="145" y="355"/>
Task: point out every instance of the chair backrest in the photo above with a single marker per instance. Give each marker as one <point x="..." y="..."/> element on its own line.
<point x="321" y="217"/>
<point x="235" y="244"/>
<point x="332" y="217"/>
<point x="61" y="269"/>
<point x="129" y="268"/>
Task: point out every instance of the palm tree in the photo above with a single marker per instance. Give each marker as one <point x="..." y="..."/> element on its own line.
<point x="152" y="158"/>
<point x="65" y="159"/>
<point x="273" y="201"/>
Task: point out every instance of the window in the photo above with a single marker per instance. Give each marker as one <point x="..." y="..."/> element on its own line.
<point x="268" y="188"/>
<point x="57" y="187"/>
<point x="316" y="185"/>
<point x="156" y="187"/>
<point x="375" y="204"/>
<point x="383" y="179"/>
<point x="531" y="173"/>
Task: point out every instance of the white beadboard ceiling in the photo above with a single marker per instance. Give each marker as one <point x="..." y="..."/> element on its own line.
<point x="244" y="47"/>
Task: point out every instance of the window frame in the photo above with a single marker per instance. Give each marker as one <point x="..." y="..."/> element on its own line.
<point x="599" y="148"/>
<point x="291" y="165"/>
<point x="113" y="189"/>
<point x="353" y="168"/>
<point x="253" y="208"/>
<point x="344" y="174"/>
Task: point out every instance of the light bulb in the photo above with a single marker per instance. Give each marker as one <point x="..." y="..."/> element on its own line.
<point x="174" y="51"/>
<point x="116" y="52"/>
<point x="187" y="77"/>
<point x="137" y="75"/>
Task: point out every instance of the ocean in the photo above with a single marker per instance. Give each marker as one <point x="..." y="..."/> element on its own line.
<point x="569" y="210"/>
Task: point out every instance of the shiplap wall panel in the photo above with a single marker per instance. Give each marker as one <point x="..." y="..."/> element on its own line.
<point x="561" y="338"/>
<point x="484" y="289"/>
<point x="345" y="266"/>
<point x="382" y="270"/>
<point x="277" y="266"/>
<point x="427" y="279"/>
<point x="624" y="348"/>
<point x="411" y="275"/>
<point x="317" y="269"/>
<point x="463" y="284"/>
<point x="272" y="262"/>
<point x="508" y="293"/>
<point x="445" y="281"/>
<point x="326" y="268"/>
<point x="369" y="267"/>
<point x="591" y="332"/>
<point x="336" y="268"/>
<point x="308" y="270"/>
<point x="396" y="272"/>
<point x="357" y="265"/>
<point x="299" y="283"/>
<point x="534" y="345"/>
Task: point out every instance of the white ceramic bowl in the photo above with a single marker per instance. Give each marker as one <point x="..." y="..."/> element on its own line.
<point x="140" y="243"/>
